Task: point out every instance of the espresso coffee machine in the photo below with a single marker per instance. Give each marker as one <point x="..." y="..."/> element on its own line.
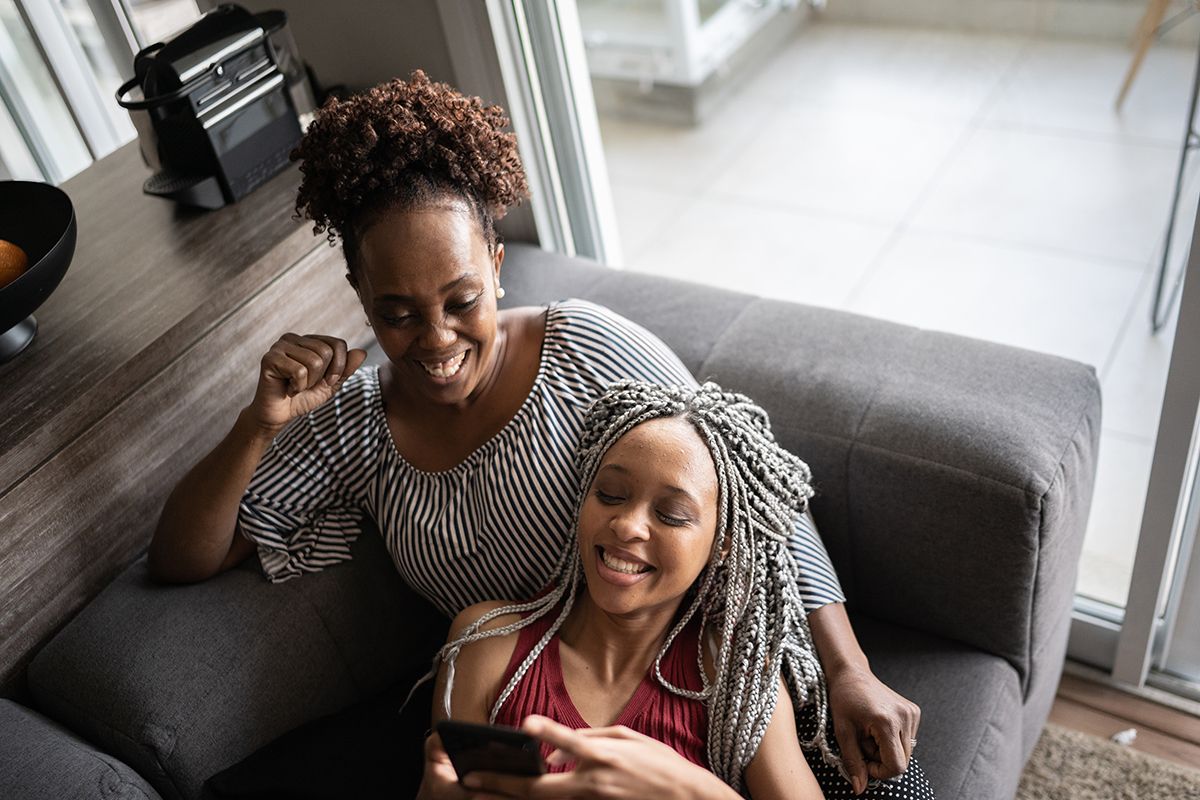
<point x="213" y="107"/>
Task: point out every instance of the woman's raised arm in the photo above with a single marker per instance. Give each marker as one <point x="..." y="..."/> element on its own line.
<point x="195" y="536"/>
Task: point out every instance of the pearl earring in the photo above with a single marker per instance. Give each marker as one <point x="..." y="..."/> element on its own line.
<point x="500" y="292"/>
<point x="368" y="323"/>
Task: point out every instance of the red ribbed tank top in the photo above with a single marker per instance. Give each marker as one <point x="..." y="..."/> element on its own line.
<point x="679" y="722"/>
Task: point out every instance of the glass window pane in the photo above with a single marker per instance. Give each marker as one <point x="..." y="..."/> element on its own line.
<point x="157" y="20"/>
<point x="16" y="161"/>
<point x="107" y="72"/>
<point x="34" y="98"/>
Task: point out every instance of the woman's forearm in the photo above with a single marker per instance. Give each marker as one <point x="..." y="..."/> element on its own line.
<point x="703" y="785"/>
<point x="196" y="530"/>
<point x="834" y="638"/>
<point x="862" y="707"/>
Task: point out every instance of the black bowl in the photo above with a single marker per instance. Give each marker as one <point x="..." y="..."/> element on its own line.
<point x="40" y="219"/>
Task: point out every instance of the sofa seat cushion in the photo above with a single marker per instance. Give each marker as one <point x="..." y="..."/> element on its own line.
<point x="40" y="759"/>
<point x="969" y="743"/>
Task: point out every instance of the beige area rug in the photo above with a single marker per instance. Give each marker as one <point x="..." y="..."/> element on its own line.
<point x="1068" y="765"/>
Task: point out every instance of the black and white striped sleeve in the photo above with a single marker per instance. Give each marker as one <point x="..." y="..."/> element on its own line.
<point x="305" y="504"/>
<point x="605" y="347"/>
<point x="819" y="584"/>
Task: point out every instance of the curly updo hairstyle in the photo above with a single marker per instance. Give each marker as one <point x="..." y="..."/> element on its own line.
<point x="404" y="145"/>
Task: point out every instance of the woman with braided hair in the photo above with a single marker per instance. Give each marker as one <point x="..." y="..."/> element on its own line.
<point x="459" y="447"/>
<point x="675" y="612"/>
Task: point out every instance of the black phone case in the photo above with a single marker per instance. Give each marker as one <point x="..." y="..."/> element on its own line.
<point x="490" y="748"/>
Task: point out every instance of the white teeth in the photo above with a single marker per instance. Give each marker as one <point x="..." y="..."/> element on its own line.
<point x="620" y="565"/>
<point x="445" y="369"/>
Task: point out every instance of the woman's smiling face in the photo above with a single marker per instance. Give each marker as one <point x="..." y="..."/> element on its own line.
<point x="647" y="525"/>
<point x="427" y="282"/>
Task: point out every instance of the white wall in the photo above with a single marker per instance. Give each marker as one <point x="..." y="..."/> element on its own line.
<point x="360" y="43"/>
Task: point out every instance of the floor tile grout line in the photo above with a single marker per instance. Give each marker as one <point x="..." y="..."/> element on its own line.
<point x="669" y="222"/>
<point x="936" y="118"/>
<point x="1030" y="43"/>
<point x="755" y="133"/>
<point x="904" y="223"/>
<point x="1125" y="436"/>
<point x="1143" y="291"/>
<point x="800" y="209"/>
<point x="1126" y="323"/>
<point x="980" y="122"/>
<point x="1062" y="132"/>
<point x="1034" y="248"/>
<point x="690" y="197"/>
<point x="819" y="212"/>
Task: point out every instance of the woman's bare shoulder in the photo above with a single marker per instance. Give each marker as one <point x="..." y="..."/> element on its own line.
<point x="485" y="660"/>
<point x="489" y="654"/>
<point x="528" y="322"/>
<point x="472" y="614"/>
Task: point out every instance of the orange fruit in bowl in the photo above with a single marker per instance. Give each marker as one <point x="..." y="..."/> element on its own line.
<point x="13" y="262"/>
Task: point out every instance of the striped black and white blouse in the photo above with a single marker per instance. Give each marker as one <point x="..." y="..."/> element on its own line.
<point x="490" y="528"/>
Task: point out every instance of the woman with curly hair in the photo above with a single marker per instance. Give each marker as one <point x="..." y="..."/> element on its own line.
<point x="460" y="447"/>
<point x="675" y="613"/>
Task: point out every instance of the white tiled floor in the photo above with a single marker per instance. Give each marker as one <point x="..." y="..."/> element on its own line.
<point x="863" y="165"/>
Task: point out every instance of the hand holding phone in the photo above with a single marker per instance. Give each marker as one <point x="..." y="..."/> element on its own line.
<point x="490" y="748"/>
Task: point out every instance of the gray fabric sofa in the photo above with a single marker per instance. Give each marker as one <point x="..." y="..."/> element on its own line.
<point x="954" y="481"/>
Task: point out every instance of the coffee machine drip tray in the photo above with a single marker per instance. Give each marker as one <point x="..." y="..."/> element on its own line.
<point x="202" y="191"/>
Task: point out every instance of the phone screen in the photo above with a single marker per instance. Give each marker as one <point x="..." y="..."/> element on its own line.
<point x="490" y="748"/>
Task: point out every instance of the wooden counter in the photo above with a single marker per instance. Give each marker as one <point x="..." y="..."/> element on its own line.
<point x="143" y="356"/>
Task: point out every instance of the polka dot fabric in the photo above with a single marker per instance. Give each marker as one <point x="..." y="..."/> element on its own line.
<point x="912" y="785"/>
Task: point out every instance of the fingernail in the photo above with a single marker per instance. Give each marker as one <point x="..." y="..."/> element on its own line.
<point x="471" y="782"/>
<point x="333" y="379"/>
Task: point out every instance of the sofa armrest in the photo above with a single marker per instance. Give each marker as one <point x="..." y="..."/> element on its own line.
<point x="182" y="681"/>
<point x="954" y="475"/>
<point x="39" y="759"/>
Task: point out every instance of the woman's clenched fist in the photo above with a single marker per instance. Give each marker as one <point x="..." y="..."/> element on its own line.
<point x="298" y="374"/>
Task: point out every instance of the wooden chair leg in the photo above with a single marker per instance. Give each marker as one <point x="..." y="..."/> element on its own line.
<point x="1155" y="11"/>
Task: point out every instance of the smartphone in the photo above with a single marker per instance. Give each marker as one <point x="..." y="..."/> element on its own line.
<point x="490" y="748"/>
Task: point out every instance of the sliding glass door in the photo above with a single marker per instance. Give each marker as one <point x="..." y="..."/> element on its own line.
<point x="1179" y="667"/>
<point x="1159" y="638"/>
